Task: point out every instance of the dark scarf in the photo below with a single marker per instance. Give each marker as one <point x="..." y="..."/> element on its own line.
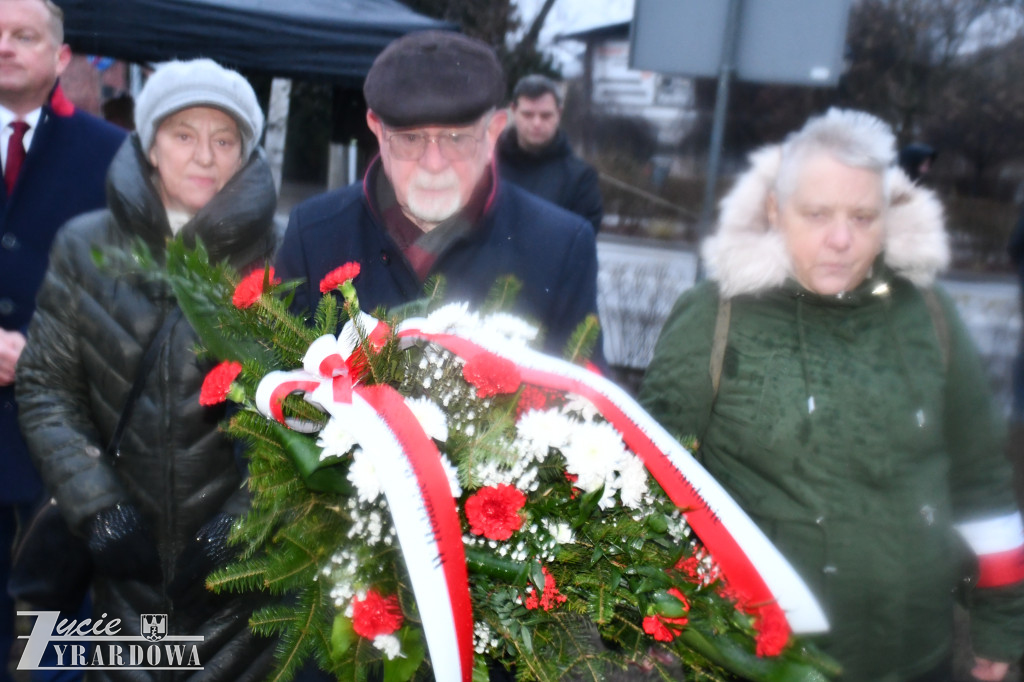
<point x="422" y="249"/>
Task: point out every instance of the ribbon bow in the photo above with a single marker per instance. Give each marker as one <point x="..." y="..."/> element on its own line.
<point x="331" y="367"/>
<point x="417" y="489"/>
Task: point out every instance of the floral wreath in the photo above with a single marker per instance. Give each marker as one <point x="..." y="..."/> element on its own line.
<point x="431" y="496"/>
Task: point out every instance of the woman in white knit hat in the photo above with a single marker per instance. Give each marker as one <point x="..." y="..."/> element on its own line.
<point x="109" y="382"/>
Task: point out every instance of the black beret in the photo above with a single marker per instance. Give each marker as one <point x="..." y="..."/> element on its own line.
<point x="434" y="77"/>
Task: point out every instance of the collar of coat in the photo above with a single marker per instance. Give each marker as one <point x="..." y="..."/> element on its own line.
<point x="511" y="152"/>
<point x="237" y="224"/>
<point x="746" y="256"/>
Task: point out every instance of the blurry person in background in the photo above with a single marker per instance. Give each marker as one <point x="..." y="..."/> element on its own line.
<point x="917" y="160"/>
<point x="1016" y="249"/>
<point x="850" y="415"/>
<point x="534" y="152"/>
<point x="54" y="162"/>
<point x="155" y="504"/>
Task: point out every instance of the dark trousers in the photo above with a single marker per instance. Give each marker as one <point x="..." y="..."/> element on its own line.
<point x="10" y="516"/>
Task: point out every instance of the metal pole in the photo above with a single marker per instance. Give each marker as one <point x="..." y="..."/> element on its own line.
<point x="725" y="69"/>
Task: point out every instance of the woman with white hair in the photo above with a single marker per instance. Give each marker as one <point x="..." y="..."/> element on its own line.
<point x="109" y="382"/>
<point x="836" y="394"/>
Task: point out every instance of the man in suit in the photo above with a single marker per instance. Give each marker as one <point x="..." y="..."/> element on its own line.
<point x="534" y="152"/>
<point x="431" y="203"/>
<point x="54" y="161"/>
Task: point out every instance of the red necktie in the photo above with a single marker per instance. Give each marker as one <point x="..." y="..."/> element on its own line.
<point x="15" y="154"/>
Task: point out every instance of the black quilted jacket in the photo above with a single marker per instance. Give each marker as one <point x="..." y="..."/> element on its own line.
<point x="86" y="342"/>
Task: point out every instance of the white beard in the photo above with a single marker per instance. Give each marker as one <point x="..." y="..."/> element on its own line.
<point x="434" y="197"/>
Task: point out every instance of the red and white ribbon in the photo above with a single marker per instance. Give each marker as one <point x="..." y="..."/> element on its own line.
<point x="416" y="486"/>
<point x="999" y="544"/>
<point x="748" y="560"/>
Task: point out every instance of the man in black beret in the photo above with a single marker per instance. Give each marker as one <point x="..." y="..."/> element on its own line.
<point x="431" y="202"/>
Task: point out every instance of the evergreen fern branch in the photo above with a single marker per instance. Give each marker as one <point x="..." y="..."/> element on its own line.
<point x="583" y="340"/>
<point x="503" y="294"/>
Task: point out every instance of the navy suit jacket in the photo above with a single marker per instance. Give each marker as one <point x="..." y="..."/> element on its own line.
<point x="64" y="174"/>
<point x="549" y="250"/>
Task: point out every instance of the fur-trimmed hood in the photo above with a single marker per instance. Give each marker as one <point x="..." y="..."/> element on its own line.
<point x="746" y="256"/>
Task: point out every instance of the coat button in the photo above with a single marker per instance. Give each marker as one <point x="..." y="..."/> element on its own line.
<point x="9" y="241"/>
<point x="385" y="258"/>
<point x="6" y="306"/>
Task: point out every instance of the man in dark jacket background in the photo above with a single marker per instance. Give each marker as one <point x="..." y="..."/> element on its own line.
<point x="431" y="203"/>
<point x="1016" y="249"/>
<point x="54" y="160"/>
<point x="534" y="152"/>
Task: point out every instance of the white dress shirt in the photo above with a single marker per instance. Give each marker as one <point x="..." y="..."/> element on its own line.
<point x="6" y="118"/>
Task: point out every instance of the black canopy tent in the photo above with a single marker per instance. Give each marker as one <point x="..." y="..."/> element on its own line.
<point x="324" y="40"/>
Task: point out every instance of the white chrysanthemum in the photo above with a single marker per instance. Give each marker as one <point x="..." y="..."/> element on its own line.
<point x="389" y="644"/>
<point x="632" y="482"/>
<point x="450" y="318"/>
<point x="431" y="417"/>
<point x="544" y="429"/>
<point x="363" y="475"/>
<point x="594" y="453"/>
<point x="335" y="439"/>
<point x="453" y="476"/>
<point x="513" y="328"/>
<point x="578" y="405"/>
<point x="560" y="531"/>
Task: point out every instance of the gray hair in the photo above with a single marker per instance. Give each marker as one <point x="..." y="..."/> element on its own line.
<point x="853" y="138"/>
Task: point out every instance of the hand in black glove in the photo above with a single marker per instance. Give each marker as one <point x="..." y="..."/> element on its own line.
<point x="208" y="550"/>
<point x="120" y="545"/>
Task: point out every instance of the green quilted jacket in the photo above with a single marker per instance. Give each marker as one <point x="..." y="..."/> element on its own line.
<point x="855" y="433"/>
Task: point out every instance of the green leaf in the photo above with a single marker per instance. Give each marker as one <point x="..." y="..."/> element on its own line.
<point x="665" y="604"/>
<point x="537" y="576"/>
<point x="588" y="503"/>
<point x="657" y="523"/>
<point x="480" y="561"/>
<point x="305" y="455"/>
<point x="402" y="668"/>
<point x="739" y="660"/>
<point x="480" y="671"/>
<point x="527" y="638"/>
<point x="342" y="635"/>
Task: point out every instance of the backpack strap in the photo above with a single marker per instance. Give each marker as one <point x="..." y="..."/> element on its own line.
<point x="939" y="321"/>
<point x="718" y="344"/>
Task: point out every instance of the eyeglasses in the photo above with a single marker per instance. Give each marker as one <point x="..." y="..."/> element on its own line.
<point x="410" y="145"/>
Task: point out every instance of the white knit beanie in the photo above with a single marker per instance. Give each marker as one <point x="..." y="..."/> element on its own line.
<point x="180" y="85"/>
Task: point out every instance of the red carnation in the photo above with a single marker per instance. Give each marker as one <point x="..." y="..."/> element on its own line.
<point x="338" y="276"/>
<point x="251" y="288"/>
<point x="656" y="629"/>
<point x="532" y="398"/>
<point x="376" y="615"/>
<point x="491" y="374"/>
<point x="218" y="382"/>
<point x="663" y="628"/>
<point x="772" y="632"/>
<point x="494" y="511"/>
